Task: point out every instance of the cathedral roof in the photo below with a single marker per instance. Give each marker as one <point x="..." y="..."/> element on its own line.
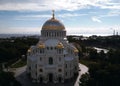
<point x="53" y="24"/>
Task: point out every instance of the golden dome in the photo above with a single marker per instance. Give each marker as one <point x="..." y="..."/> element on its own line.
<point x="76" y="50"/>
<point x="53" y="24"/>
<point x="60" y="45"/>
<point x="41" y="45"/>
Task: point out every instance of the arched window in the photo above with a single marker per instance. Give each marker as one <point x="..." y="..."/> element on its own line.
<point x="59" y="70"/>
<point x="40" y="59"/>
<point x="47" y="34"/>
<point x="51" y="48"/>
<point x="50" y="60"/>
<point x="66" y="65"/>
<point x="41" y="70"/>
<point x="59" y="51"/>
<point x="66" y="73"/>
<point x="40" y="51"/>
<point x="47" y="48"/>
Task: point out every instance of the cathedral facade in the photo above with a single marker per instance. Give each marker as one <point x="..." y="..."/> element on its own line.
<point x="53" y="58"/>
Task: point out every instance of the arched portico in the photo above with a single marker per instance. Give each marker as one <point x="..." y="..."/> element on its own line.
<point x="40" y="79"/>
<point x="50" y="77"/>
<point x="60" y="79"/>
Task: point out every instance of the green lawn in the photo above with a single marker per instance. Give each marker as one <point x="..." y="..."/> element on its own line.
<point x="19" y="63"/>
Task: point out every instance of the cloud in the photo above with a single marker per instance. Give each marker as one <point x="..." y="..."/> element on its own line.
<point x="111" y="6"/>
<point x="111" y="13"/>
<point x="96" y="19"/>
<point x="71" y="15"/>
<point x="114" y="13"/>
<point x="43" y="5"/>
<point x="37" y="17"/>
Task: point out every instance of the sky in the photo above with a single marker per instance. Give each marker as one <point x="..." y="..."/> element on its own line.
<point x="82" y="17"/>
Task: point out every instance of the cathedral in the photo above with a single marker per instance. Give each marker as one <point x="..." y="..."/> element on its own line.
<point x="53" y="58"/>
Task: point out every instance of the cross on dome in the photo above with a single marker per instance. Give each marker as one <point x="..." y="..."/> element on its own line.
<point x="53" y="14"/>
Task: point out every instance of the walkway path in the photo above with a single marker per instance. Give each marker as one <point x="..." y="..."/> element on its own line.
<point x="84" y="69"/>
<point x="20" y="75"/>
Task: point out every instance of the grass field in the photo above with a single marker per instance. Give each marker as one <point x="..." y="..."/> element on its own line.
<point x="19" y="63"/>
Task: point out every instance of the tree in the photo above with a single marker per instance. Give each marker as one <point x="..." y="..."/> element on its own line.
<point x="7" y="79"/>
<point x="102" y="55"/>
<point x="93" y="54"/>
<point x="84" y="79"/>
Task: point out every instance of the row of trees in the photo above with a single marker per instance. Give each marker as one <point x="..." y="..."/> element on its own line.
<point x="8" y="79"/>
<point x="98" y="41"/>
<point x="106" y="42"/>
<point x="13" y="48"/>
<point x="104" y="69"/>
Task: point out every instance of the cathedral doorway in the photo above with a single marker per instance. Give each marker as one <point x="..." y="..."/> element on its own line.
<point x="50" y="77"/>
<point x="60" y="79"/>
<point x="41" y="79"/>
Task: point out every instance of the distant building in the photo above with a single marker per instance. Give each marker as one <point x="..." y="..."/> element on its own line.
<point x="52" y="59"/>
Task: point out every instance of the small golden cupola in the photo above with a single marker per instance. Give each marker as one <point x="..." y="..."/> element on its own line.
<point x="75" y="50"/>
<point x="59" y="45"/>
<point x="29" y="50"/>
<point x="41" y="45"/>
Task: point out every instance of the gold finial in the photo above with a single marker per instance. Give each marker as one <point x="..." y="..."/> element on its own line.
<point x="53" y="14"/>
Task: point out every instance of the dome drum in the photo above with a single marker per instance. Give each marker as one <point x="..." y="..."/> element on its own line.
<point x="53" y="33"/>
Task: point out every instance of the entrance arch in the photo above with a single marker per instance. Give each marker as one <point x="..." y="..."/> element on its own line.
<point x="41" y="79"/>
<point x="50" y="75"/>
<point x="60" y="79"/>
<point x="50" y="60"/>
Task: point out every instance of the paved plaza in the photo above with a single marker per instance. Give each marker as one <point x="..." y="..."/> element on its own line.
<point x="20" y="74"/>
